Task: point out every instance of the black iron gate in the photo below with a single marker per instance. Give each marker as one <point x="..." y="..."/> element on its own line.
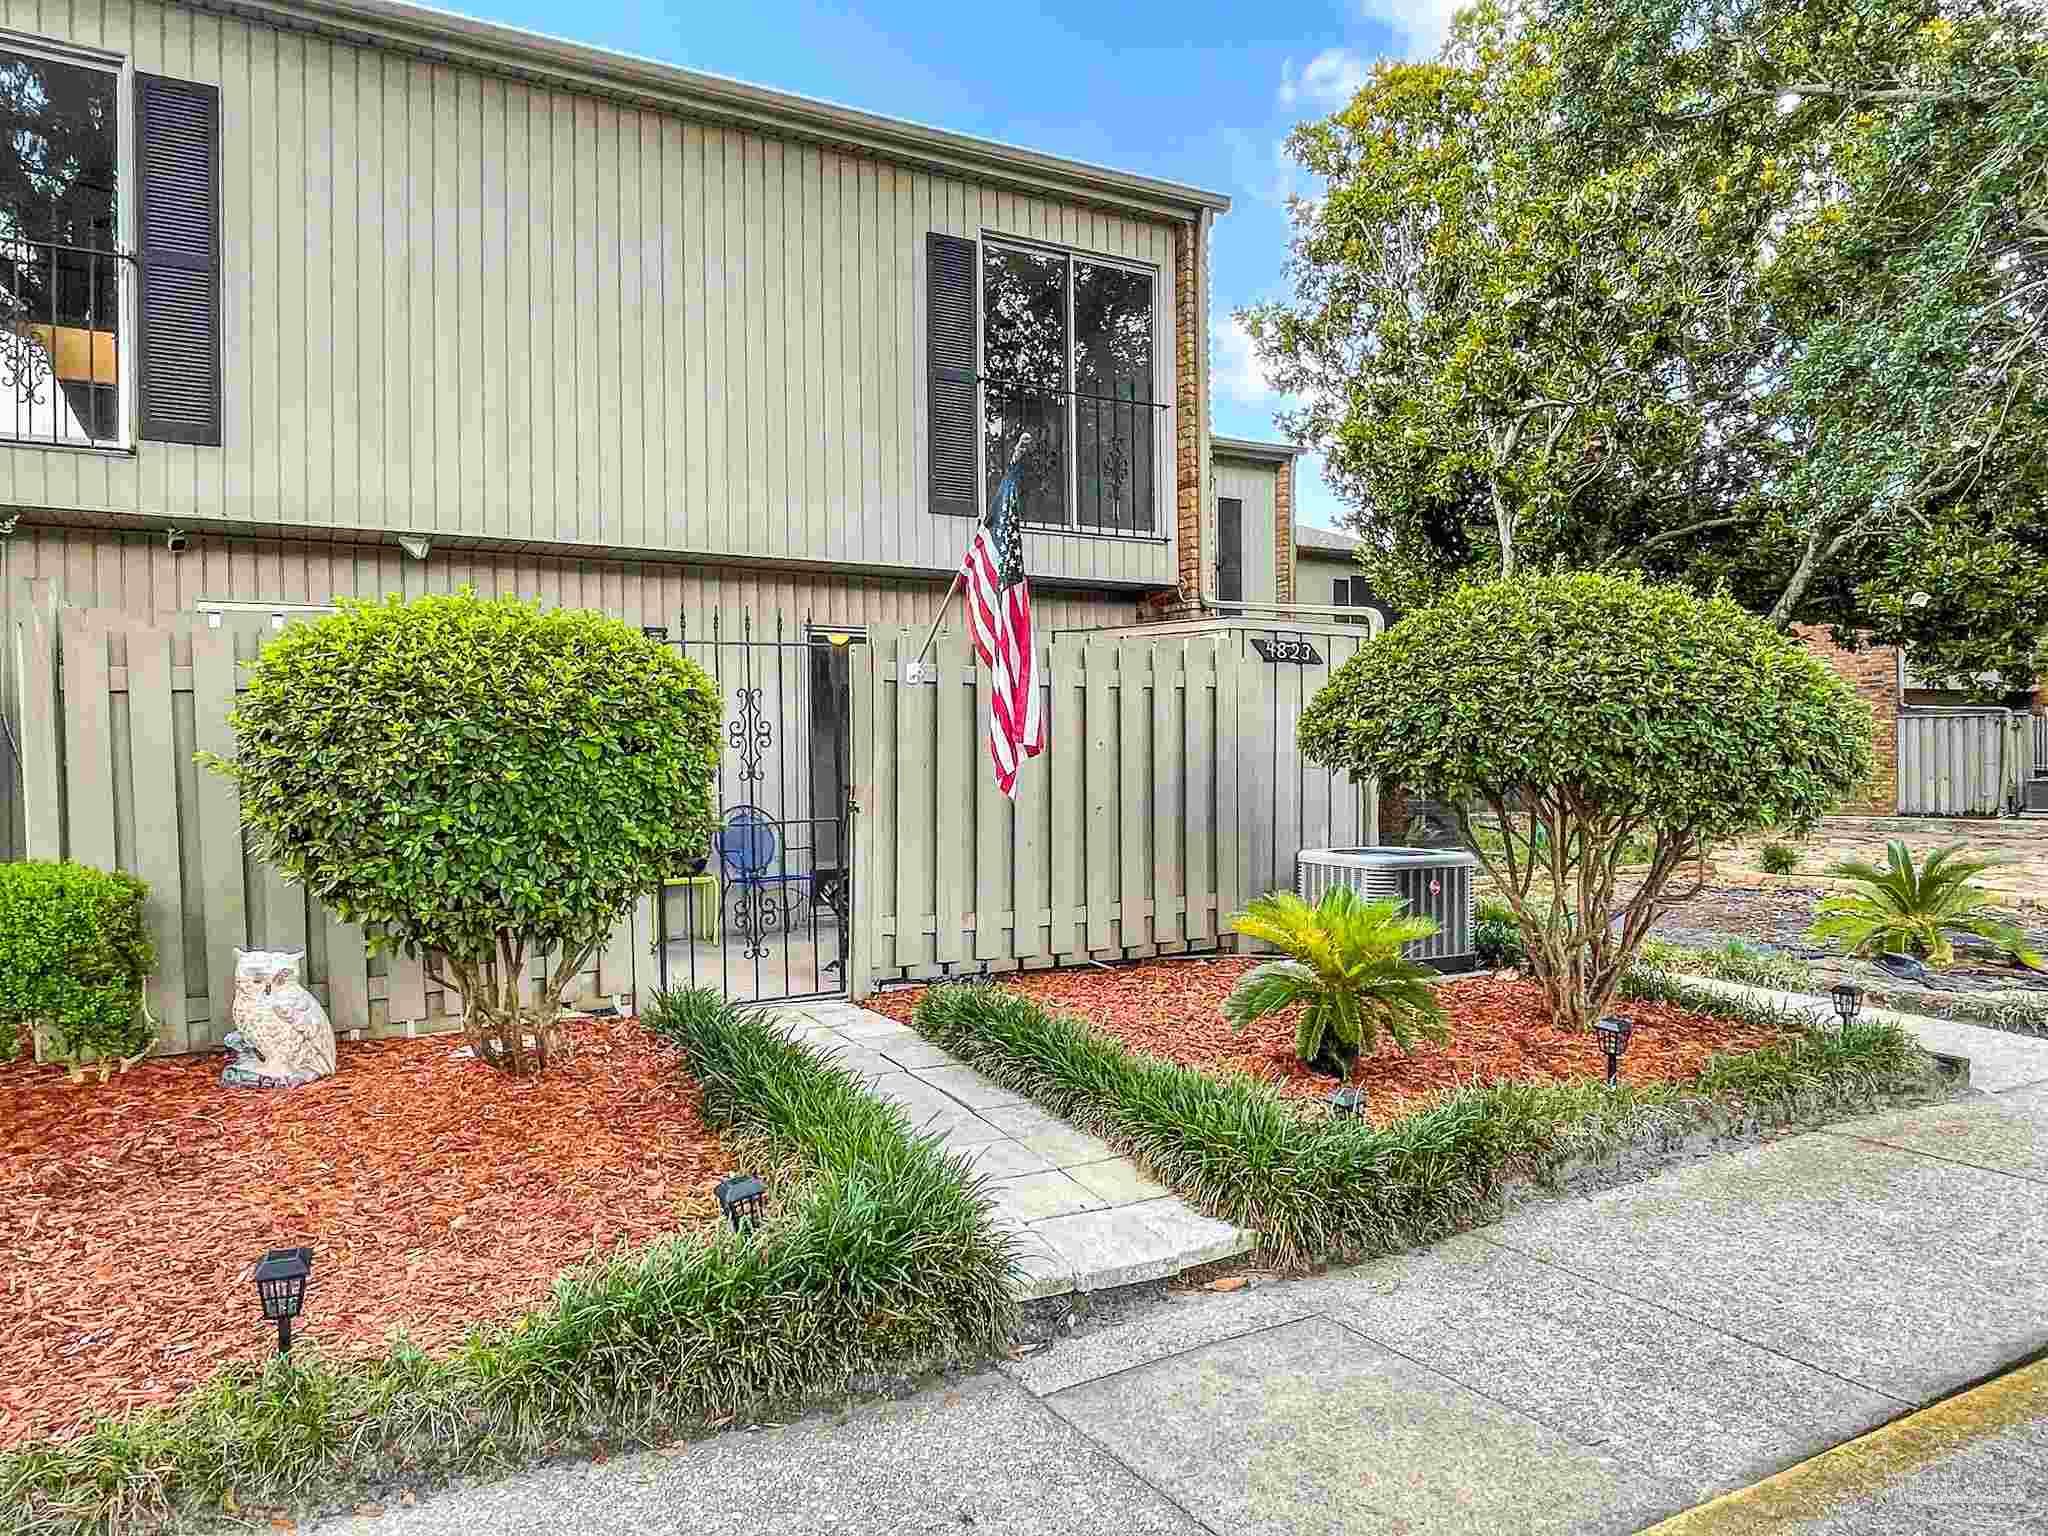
<point x="765" y="915"/>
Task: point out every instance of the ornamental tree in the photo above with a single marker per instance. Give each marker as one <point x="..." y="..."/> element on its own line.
<point x="480" y="783"/>
<point x="1751" y="294"/>
<point x="1586" y="713"/>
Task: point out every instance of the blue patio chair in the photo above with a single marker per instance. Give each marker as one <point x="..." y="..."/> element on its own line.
<point x="748" y="845"/>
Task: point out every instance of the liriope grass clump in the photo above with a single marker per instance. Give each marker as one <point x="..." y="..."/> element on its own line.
<point x="1316" y="1188"/>
<point x="878" y="1255"/>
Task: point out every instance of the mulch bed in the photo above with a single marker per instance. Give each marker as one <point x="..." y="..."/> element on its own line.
<point x="435" y="1193"/>
<point x="1173" y="1009"/>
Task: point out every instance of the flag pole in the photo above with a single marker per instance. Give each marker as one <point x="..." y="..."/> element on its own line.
<point x="914" y="671"/>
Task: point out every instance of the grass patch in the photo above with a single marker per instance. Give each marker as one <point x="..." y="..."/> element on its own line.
<point x="1315" y="1188"/>
<point x="1735" y="960"/>
<point x="880" y="1258"/>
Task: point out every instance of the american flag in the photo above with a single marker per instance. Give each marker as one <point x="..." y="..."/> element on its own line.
<point x="999" y="612"/>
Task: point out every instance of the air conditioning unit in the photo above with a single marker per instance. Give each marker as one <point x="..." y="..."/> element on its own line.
<point x="1433" y="882"/>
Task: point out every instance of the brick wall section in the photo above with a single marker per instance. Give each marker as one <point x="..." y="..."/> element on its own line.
<point x="1873" y="672"/>
<point x="1187" y="448"/>
<point x="1283" y="532"/>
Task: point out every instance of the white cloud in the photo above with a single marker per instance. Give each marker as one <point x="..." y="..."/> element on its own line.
<point x="1419" y="26"/>
<point x="1329" y="80"/>
<point x="1234" y="365"/>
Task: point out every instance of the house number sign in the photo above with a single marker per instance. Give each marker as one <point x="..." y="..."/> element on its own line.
<point x="1282" y="652"/>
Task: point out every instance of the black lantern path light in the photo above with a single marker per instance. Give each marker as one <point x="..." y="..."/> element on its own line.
<point x="741" y="1198"/>
<point x="1346" y="1103"/>
<point x="1614" y="1032"/>
<point x="281" y="1276"/>
<point x="1848" y="1000"/>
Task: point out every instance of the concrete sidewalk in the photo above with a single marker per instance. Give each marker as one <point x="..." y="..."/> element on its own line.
<point x="1593" y="1364"/>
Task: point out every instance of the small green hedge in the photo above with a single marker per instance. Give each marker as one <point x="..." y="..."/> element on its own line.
<point x="881" y="1257"/>
<point x="1315" y="1188"/>
<point x="75" y="955"/>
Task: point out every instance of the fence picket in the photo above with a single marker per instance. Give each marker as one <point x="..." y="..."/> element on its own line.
<point x="1067" y="815"/>
<point x="1169" y="679"/>
<point x="1134" y="801"/>
<point x="153" y="739"/>
<point x="220" y="823"/>
<point x="88" y="739"/>
<point x="1099" y="861"/>
<point x="957" y="740"/>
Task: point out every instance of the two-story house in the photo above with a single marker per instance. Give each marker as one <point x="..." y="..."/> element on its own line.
<point x="303" y="299"/>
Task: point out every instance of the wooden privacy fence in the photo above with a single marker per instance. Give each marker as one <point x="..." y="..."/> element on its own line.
<point x="1146" y="824"/>
<point x="1962" y="762"/>
<point x="1112" y="848"/>
<point x="111" y="712"/>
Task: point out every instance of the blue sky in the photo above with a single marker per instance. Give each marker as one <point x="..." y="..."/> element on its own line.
<point x="1193" y="90"/>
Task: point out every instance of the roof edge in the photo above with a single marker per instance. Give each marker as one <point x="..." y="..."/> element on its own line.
<point x="1249" y="448"/>
<point x="490" y="45"/>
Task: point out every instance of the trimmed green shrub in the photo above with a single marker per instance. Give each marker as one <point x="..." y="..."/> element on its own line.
<point x="1778" y="858"/>
<point x="1497" y="935"/>
<point x="882" y="1258"/>
<point x="484" y="780"/>
<point x="1344" y="961"/>
<point x="75" y="954"/>
<point x="1315" y="1187"/>
<point x="1916" y="908"/>
<point x="1589" y="712"/>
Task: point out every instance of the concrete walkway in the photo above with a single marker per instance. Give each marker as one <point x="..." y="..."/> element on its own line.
<point x="1085" y="1219"/>
<point x="1592" y="1364"/>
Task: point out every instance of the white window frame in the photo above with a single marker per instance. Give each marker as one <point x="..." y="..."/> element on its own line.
<point x="1162" y="389"/>
<point x="126" y="349"/>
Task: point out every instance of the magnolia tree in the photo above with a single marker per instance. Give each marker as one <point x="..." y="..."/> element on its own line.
<point x="1591" y="713"/>
<point x="482" y="784"/>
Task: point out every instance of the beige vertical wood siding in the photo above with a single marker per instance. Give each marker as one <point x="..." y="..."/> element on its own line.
<point x="1253" y="485"/>
<point x="459" y="303"/>
<point x="135" y="573"/>
<point x="1314" y="574"/>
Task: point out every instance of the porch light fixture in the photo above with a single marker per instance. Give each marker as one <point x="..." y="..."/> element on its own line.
<point x="1848" y="1000"/>
<point x="741" y="1197"/>
<point x="281" y="1276"/>
<point x="1346" y="1103"/>
<point x="1614" y="1032"/>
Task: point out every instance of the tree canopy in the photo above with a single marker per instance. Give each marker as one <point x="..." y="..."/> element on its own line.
<point x="1590" y="713"/>
<point x="1746" y="293"/>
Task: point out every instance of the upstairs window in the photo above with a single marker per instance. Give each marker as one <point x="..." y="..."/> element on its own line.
<point x="63" y="276"/>
<point x="1069" y="388"/>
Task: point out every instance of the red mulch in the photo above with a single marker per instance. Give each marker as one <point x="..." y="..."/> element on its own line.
<point x="1173" y="1009"/>
<point x="434" y="1193"/>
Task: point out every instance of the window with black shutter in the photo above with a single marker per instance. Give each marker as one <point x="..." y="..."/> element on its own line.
<point x="177" y="154"/>
<point x="1229" y="549"/>
<point x="951" y="427"/>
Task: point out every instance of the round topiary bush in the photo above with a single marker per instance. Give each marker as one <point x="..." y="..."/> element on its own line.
<point x="486" y="781"/>
<point x="1588" y="712"/>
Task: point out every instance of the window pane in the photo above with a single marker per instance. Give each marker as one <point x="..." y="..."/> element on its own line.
<point x="1024" y="366"/>
<point x="59" y="281"/>
<point x="1114" y="417"/>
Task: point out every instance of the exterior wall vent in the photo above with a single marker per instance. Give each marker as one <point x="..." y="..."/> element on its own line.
<point x="1434" y="882"/>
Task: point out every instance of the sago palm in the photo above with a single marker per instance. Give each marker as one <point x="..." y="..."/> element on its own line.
<point x="1343" y="959"/>
<point x="1915" y="909"/>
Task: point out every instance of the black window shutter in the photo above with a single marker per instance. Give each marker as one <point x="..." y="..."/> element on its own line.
<point x="177" y="161"/>
<point x="952" y="419"/>
<point x="1229" y="549"/>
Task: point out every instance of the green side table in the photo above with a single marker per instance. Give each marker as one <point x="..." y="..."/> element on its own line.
<point x="691" y="905"/>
